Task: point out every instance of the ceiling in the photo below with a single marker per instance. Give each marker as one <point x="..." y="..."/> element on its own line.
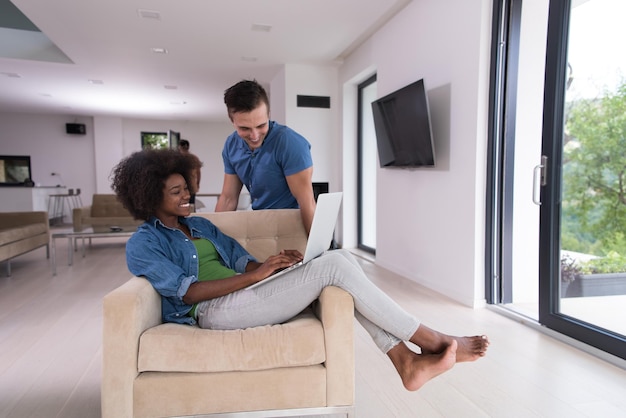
<point x="166" y="59"/>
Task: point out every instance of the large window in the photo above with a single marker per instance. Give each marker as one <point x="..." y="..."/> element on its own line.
<point x="154" y="140"/>
<point x="160" y="140"/>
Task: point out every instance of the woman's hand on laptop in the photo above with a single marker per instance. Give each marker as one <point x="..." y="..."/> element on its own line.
<point x="295" y="255"/>
<point x="276" y="262"/>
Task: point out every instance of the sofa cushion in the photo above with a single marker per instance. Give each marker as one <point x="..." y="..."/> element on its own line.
<point x="184" y="348"/>
<point x="10" y="235"/>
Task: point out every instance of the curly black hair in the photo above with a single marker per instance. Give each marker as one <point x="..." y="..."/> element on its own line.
<point x="138" y="179"/>
<point x="245" y="96"/>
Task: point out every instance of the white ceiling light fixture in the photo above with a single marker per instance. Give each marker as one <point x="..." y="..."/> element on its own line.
<point x="249" y="59"/>
<point x="170" y="87"/>
<point x="94" y="81"/>
<point x="159" y="50"/>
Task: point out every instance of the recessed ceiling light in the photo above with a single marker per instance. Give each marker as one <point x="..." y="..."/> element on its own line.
<point x="45" y="94"/>
<point x="259" y="27"/>
<point x="171" y="87"/>
<point x="11" y="75"/>
<point x="159" y="50"/>
<point x="94" y="81"/>
<point x="149" y="14"/>
<point x="249" y="59"/>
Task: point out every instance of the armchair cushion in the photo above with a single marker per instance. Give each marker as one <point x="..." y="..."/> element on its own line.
<point x="175" y="348"/>
<point x="8" y="236"/>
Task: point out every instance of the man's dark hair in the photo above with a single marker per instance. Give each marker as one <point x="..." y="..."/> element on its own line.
<point x="245" y="96"/>
<point x="183" y="143"/>
<point x="138" y="179"/>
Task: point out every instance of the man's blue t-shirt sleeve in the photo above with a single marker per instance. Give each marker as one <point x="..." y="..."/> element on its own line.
<point x="293" y="153"/>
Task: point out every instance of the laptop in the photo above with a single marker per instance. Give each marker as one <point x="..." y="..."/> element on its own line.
<point x="320" y="236"/>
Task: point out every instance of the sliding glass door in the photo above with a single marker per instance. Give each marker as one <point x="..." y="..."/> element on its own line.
<point x="583" y="196"/>
<point x="557" y="207"/>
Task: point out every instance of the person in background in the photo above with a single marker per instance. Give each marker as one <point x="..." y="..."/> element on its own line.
<point x="202" y="274"/>
<point x="272" y="160"/>
<point x="183" y="146"/>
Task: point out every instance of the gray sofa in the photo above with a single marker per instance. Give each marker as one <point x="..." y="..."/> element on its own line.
<point x="21" y="232"/>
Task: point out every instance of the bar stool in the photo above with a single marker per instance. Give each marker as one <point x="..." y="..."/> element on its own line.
<point x="56" y="205"/>
<point x="77" y="202"/>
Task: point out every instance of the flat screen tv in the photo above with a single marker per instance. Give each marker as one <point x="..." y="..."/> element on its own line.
<point x="15" y="170"/>
<point x="402" y="124"/>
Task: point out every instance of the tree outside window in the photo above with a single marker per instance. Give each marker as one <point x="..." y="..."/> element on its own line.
<point x="594" y="172"/>
<point x="154" y="140"/>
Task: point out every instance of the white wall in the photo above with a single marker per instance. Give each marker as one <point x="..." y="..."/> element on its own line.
<point x="51" y="150"/>
<point x="108" y="150"/>
<point x="430" y="222"/>
<point x="318" y="126"/>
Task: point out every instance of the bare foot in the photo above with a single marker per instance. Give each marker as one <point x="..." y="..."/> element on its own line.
<point x="471" y="348"/>
<point x="417" y="369"/>
<point x="434" y="342"/>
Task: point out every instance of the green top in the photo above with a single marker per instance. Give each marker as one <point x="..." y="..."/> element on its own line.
<point x="210" y="266"/>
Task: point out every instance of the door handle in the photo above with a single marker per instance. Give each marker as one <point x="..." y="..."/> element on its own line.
<point x="539" y="179"/>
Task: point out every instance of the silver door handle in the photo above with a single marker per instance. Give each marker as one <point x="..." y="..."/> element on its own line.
<point x="539" y="179"/>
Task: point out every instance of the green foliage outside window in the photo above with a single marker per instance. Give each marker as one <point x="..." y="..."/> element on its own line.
<point x="594" y="173"/>
<point x="154" y="140"/>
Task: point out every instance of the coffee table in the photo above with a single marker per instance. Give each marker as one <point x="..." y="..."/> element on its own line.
<point x="89" y="233"/>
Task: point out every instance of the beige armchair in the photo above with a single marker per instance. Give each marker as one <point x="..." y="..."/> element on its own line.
<point x="104" y="212"/>
<point x="302" y="367"/>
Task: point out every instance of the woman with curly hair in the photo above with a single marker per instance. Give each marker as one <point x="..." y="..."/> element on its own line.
<point x="202" y="274"/>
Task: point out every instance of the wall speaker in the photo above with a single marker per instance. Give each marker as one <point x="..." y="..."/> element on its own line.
<point x="322" y="102"/>
<point x="75" y="128"/>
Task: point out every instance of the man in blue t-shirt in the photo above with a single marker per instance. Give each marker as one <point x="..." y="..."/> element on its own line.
<point x="273" y="161"/>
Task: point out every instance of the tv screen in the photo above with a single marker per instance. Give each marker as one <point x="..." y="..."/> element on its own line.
<point x="402" y="123"/>
<point x="15" y="170"/>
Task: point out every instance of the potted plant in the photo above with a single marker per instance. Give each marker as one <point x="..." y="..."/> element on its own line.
<point x="569" y="270"/>
<point x="600" y="276"/>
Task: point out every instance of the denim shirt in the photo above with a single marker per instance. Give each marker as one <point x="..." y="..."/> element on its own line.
<point x="167" y="258"/>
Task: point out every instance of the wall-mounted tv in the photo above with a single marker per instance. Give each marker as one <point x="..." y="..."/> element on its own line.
<point x="403" y="132"/>
<point x="15" y="170"/>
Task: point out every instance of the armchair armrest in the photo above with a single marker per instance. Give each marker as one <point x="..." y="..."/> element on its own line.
<point x="78" y="214"/>
<point x="335" y="309"/>
<point x="128" y="311"/>
<point x="13" y="219"/>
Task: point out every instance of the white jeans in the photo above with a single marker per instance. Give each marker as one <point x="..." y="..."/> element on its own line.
<point x="281" y="299"/>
